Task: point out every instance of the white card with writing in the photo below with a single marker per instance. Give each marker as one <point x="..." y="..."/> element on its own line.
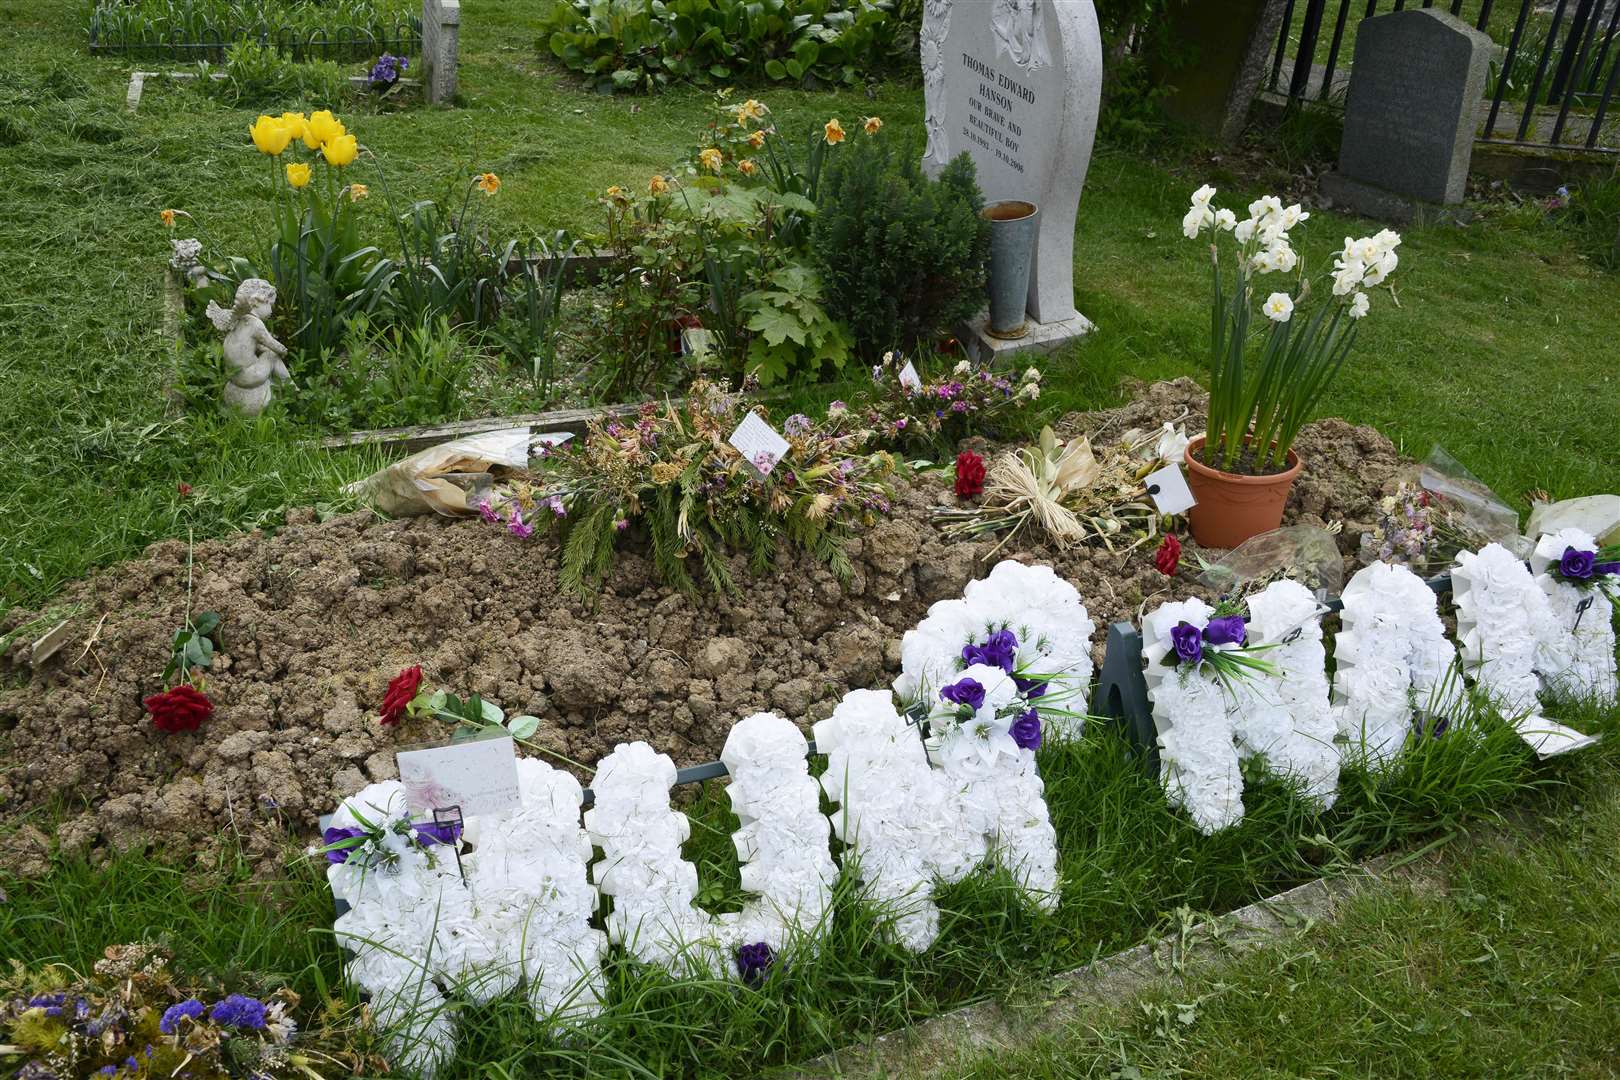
<point x="1169" y="491"/>
<point x="759" y="444"/>
<point x="909" y="377"/>
<point x="479" y="775"/>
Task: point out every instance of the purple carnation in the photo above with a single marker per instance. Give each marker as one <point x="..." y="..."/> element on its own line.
<point x="1577" y="564"/>
<point x="190" y="1008"/>
<point x="753" y="961"/>
<point x="1000" y="650"/>
<point x="1188" y="642"/>
<point x="1026" y="730"/>
<point x="239" y="1011"/>
<point x="337" y="835"/>
<point x="1226" y="630"/>
<point x="965" y="692"/>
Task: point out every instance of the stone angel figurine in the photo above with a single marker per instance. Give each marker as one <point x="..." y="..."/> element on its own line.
<point x="252" y="356"/>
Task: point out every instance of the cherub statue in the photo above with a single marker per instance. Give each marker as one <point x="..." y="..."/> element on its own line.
<point x="252" y="356"/>
<point x="188" y="262"/>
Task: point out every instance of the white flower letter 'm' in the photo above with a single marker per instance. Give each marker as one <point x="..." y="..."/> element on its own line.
<point x="1289" y="719"/>
<point x="1590" y="667"/>
<point x="1198" y="758"/>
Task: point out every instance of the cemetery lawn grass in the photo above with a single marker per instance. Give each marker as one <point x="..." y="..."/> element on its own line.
<point x="1501" y="348"/>
<point x="1511" y="968"/>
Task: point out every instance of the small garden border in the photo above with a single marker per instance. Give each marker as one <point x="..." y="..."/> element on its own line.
<point x="138" y="79"/>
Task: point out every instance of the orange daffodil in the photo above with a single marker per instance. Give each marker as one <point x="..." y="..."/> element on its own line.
<point x="711" y="159"/>
<point x="747" y="167"/>
<point x="488" y="183"/>
<point x="750" y="110"/>
<point x="167" y="217"/>
<point x="358" y="192"/>
<point x="658" y="186"/>
<point x="756" y="139"/>
<point x="834" y="132"/>
<point x="872" y="125"/>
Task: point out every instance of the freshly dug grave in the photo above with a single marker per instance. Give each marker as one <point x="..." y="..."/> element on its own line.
<point x="316" y="619"/>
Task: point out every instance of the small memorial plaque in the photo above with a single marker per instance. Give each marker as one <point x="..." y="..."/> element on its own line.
<point x="479" y="775"/>
<point x="759" y="444"/>
<point x="1169" y="491"/>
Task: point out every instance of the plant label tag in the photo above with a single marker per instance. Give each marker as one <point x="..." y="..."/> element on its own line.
<point x="759" y="444"/>
<point x="909" y="378"/>
<point x="1169" y="491"/>
<point x="479" y="775"/>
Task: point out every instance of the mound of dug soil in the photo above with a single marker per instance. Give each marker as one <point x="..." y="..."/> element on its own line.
<point x="318" y="617"/>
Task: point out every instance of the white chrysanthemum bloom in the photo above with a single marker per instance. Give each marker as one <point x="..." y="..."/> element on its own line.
<point x="1225" y="220"/>
<point x="1391" y="658"/>
<point x="1285" y="616"/>
<point x="893" y="814"/>
<point x="782" y="837"/>
<point x="1279" y="307"/>
<point x="1041" y="610"/>
<point x="1359" y="305"/>
<point x="655" y="915"/>
<point x="1588" y="615"/>
<point x="963" y="367"/>
<point x="1198" y="758"/>
<point x="1196" y="221"/>
<point x="1202" y="197"/>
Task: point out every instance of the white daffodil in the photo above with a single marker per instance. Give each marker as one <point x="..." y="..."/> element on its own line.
<point x="1225" y="220"/>
<point x="1359" y="305"/>
<point x="1283" y="258"/>
<point x="1279" y="307"/>
<point x="1265" y="208"/>
<point x="1347" y="275"/>
<point x="1292" y="216"/>
<point x="1202" y="196"/>
<point x="1381" y="269"/>
<point x="1197" y="219"/>
<point x="1388" y="239"/>
<point x="1244" y="230"/>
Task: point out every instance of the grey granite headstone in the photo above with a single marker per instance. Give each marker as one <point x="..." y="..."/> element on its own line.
<point x="441" y="41"/>
<point x="1016" y="84"/>
<point x="1411" y="113"/>
<point x="1224" y="52"/>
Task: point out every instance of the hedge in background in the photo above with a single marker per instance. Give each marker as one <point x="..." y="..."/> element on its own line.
<point x="624" y="45"/>
<point x="902" y="256"/>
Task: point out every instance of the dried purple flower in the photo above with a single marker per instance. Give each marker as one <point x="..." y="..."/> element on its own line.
<point x="189" y="1009"/>
<point x="239" y="1011"/>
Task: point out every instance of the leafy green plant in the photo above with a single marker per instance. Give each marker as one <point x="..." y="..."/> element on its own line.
<point x="256" y="74"/>
<point x="644" y="45"/>
<point x="902" y="256"/>
<point x="532" y="314"/>
<point x="794" y="334"/>
<point x="193" y="645"/>
<point x="292" y="26"/>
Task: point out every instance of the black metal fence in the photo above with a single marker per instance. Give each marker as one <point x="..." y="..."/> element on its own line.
<point x="209" y="42"/>
<point x="1553" y="84"/>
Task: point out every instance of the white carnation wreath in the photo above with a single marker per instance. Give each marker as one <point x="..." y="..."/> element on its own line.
<point x="1588" y="615"/>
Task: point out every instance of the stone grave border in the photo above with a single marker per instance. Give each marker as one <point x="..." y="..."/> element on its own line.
<point x="138" y="81"/>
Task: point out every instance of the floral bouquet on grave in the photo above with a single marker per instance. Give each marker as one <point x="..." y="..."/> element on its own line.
<point x="938" y="408"/>
<point x="385" y="73"/>
<point x="1209" y="640"/>
<point x="675" y="472"/>
<point x="1573" y="557"/>
<point x="1023" y="621"/>
<point x="132" y="1017"/>
<point x="1066" y="492"/>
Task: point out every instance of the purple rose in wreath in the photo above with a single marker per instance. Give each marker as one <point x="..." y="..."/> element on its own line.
<point x="1577" y="564"/>
<point x="1026" y="730"/>
<point x="1188" y="642"/>
<point x="1226" y="630"/>
<point x="967" y="692"/>
<point x="1000" y="650"/>
<point x="753" y="961"/>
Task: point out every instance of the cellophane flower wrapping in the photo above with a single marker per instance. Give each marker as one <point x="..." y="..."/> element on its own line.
<point x="1045" y="613"/>
<point x="1290" y="720"/>
<point x="996" y="788"/>
<point x="899" y="827"/>
<point x="1391" y="658"/>
<point x="391" y="928"/>
<point x="655" y="915"/>
<point x="1590" y="672"/>
<point x="782" y="841"/>
<point x="1198" y="757"/>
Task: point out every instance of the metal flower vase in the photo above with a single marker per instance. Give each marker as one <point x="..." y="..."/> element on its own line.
<point x="1012" y="249"/>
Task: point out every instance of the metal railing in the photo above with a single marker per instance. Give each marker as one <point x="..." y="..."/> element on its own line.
<point x="1560" y="68"/>
<point x="209" y="42"/>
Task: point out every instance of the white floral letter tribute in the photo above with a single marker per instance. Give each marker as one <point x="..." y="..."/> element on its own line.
<point x="1290" y="720"/>
<point x="1579" y="589"/>
<point x="1393" y="658"/>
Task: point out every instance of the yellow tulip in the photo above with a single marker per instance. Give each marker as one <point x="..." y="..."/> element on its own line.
<point x="297" y="125"/>
<point x="297" y="174"/>
<point x="340" y="150"/>
<point x="834" y="131"/>
<point x="872" y="124"/>
<point x="270" y="135"/>
<point x="322" y="128"/>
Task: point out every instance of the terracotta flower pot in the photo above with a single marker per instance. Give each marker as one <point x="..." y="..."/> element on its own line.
<point x="1232" y="507"/>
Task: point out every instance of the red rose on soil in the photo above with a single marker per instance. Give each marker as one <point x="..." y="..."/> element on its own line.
<point x="182" y="709"/>
<point x="969" y="474"/>
<point x="1168" y="557"/>
<point x="400" y="693"/>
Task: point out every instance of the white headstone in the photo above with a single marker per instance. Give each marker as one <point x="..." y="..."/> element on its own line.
<point x="1016" y="84"/>
<point x="441" y="41"/>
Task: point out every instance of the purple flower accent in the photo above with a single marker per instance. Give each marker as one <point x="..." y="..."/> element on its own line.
<point x="337" y="835"/>
<point x="959" y="406"/>
<point x="1030" y="688"/>
<point x="1188" y="642"/>
<point x="797" y="424"/>
<point x="1225" y="630"/>
<point x="1603" y="568"/>
<point x="965" y="692"/>
<point x="239" y="1011"/>
<point x="385" y="72"/>
<point x="517" y="527"/>
<point x="1577" y="564"/>
<point x="487" y="512"/>
<point x="433" y="832"/>
<point x="621" y="524"/>
<point x="1026" y="730"/>
<point x="753" y="961"/>
<point x="764" y="461"/>
<point x="190" y="1008"/>
<point x="1000" y="650"/>
<point x="555" y="503"/>
<point x="51" y="1003"/>
<point x="900" y="424"/>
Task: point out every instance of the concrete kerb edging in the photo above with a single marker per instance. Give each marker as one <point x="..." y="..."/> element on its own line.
<point x="137" y="83"/>
<point x="952" y="1040"/>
